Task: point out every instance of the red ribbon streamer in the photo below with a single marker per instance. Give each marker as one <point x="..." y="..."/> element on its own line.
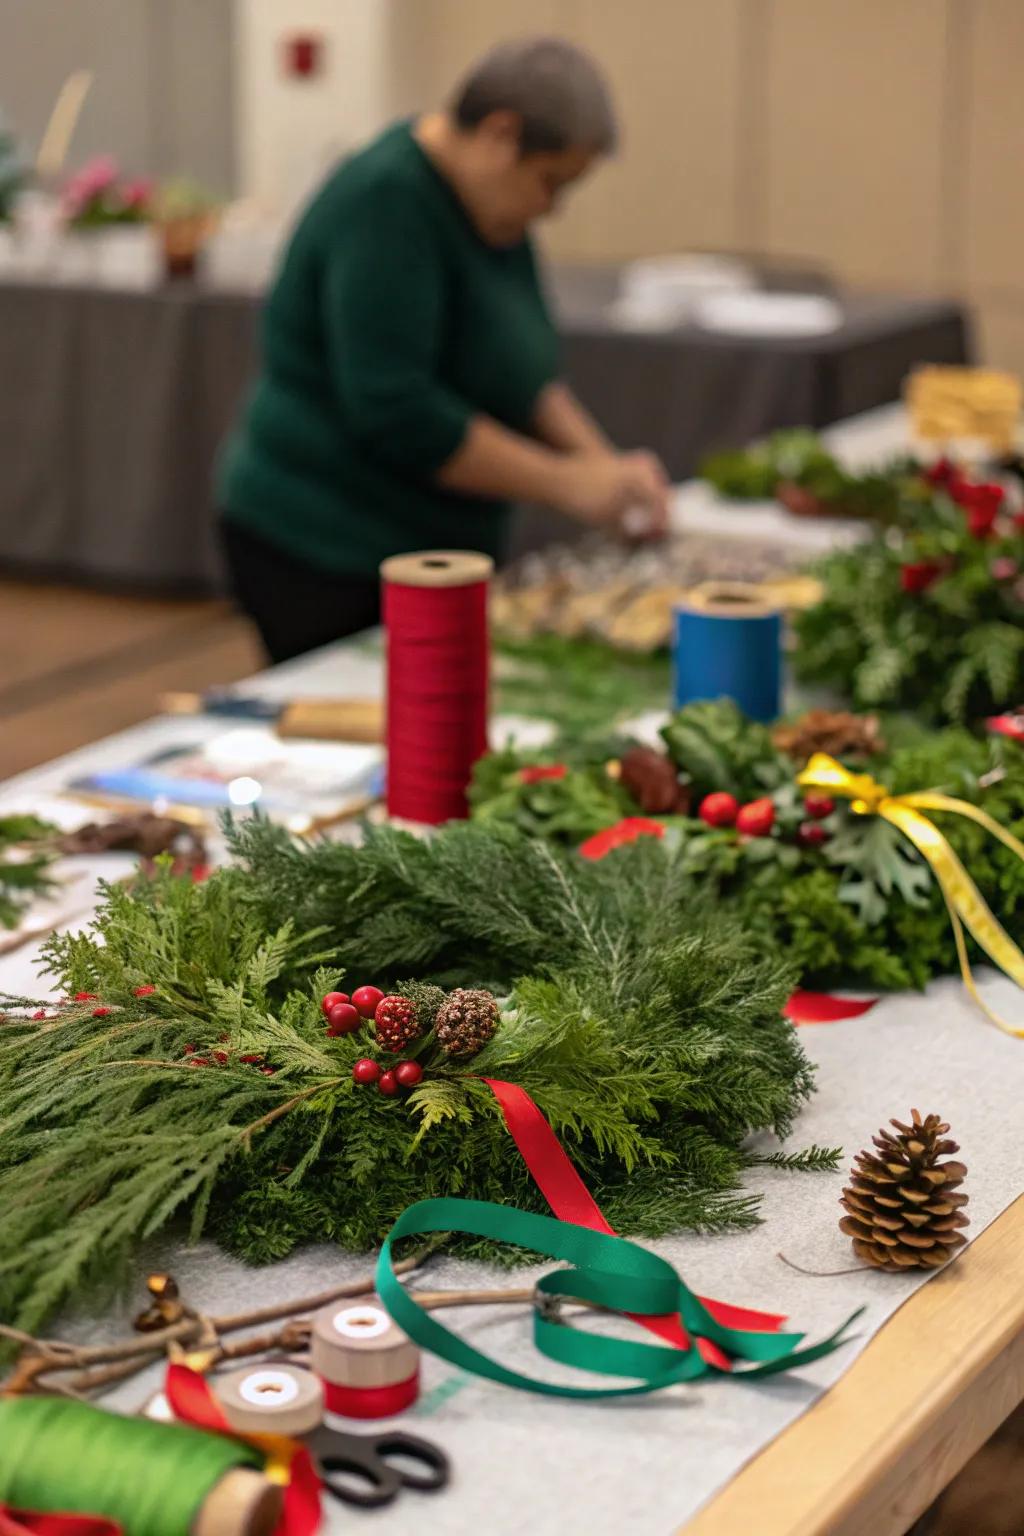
<point x="26" y="1522"/>
<point x="569" y="1198"/>
<point x="628" y="830"/>
<point x="823" y="1008"/>
<point x="1011" y="725"/>
<point x="192" y="1401"/>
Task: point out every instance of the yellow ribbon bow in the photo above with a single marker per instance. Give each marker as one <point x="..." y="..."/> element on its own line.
<point x="965" y="903"/>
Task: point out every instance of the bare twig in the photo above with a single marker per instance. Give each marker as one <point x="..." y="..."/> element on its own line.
<point x="361" y="1287"/>
<point x="41" y="1346"/>
<point x="822" y="1274"/>
<point x="44" y="1357"/>
<point x="286" y="1107"/>
<point x="102" y="1376"/>
<point x="433" y="1301"/>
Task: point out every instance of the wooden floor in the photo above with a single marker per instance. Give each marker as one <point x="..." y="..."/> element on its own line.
<point x="76" y="665"/>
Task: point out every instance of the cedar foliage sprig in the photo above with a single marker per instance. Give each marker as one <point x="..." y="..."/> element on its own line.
<point x="651" y="1039"/>
<point x="25" y="861"/>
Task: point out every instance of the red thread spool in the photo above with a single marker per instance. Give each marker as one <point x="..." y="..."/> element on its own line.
<point x="368" y="1367"/>
<point x="435" y="614"/>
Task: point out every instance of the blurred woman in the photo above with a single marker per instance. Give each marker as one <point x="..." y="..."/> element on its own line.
<point x="410" y="389"/>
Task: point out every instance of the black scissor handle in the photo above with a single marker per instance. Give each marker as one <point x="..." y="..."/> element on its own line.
<point x="430" y="1456"/>
<point x="361" y="1480"/>
<point x="356" y="1470"/>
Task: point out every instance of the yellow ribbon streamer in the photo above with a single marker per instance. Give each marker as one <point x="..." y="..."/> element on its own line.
<point x="965" y="903"/>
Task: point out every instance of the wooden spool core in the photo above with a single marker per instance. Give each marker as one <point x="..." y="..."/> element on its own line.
<point x="438" y="568"/>
<point x="243" y="1503"/>
<point x="270" y="1399"/>
<point x="729" y="600"/>
<point x="357" y="1345"/>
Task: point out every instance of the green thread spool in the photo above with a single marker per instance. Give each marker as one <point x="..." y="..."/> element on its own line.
<point x="151" y="1479"/>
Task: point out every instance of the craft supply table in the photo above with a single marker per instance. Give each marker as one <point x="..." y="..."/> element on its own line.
<point x="110" y="436"/>
<point x="856" y="1444"/>
<point x="872" y="1452"/>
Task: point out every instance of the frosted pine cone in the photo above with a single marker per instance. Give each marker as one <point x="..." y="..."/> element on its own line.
<point x="426" y="1000"/>
<point x="466" y="1021"/>
<point x="397" y="1023"/>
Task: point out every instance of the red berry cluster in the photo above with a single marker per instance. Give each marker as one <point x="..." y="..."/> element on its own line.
<point x="345" y="1014"/>
<point x="220" y="1058"/>
<point x="404" y="1074"/>
<point x="810" y="833"/>
<point x="101" y="1012"/>
<point x="755" y="819"/>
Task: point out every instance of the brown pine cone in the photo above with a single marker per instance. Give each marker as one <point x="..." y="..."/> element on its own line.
<point x="653" y="781"/>
<point x="834" y="731"/>
<point x="904" y="1208"/>
<point x="466" y="1021"/>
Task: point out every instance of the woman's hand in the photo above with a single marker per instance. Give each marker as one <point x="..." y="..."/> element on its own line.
<point x="626" y="491"/>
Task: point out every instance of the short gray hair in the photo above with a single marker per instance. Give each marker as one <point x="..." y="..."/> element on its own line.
<point x="555" y="88"/>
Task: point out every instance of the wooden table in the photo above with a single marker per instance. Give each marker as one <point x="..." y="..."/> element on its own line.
<point x="875" y="1451"/>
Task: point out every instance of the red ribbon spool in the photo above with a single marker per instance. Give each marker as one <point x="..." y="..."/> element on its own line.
<point x="371" y="1402"/>
<point x="438" y="676"/>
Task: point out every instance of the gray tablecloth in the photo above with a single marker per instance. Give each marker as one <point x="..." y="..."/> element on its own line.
<point x="112" y="406"/>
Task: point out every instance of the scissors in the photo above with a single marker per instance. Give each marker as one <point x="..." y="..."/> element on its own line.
<point x="356" y="1468"/>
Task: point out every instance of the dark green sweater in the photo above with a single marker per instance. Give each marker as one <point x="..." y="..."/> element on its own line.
<point x="390" y="325"/>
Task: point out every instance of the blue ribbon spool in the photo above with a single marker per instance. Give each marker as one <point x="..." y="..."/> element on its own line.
<point x="728" y="644"/>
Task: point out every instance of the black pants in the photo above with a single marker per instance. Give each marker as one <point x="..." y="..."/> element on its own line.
<point x="295" y="607"/>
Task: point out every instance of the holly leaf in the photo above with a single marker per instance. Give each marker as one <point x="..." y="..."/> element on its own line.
<point x="876" y="862"/>
<point x="717" y="748"/>
<point x="866" y="899"/>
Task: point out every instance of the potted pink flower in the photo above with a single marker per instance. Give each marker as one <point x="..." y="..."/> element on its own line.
<point x="109" y="236"/>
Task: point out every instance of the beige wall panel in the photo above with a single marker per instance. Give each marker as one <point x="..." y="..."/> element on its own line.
<point x="674" y="65"/>
<point x="999" y="334"/>
<point x="853" y="146"/>
<point x="991" y="224"/>
<point x="462" y="29"/>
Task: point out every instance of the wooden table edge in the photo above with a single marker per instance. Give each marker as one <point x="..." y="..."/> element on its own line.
<point x="930" y="1388"/>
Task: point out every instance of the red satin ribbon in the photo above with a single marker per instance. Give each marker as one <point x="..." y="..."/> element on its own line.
<point x="569" y="1198"/>
<point x="823" y="1008"/>
<point x="371" y="1402"/>
<point x="1011" y="725"/>
<point x="192" y="1401"/>
<point x="628" y="830"/>
<point x="26" y="1522"/>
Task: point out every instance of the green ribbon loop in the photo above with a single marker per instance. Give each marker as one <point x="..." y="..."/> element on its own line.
<point x="605" y="1270"/>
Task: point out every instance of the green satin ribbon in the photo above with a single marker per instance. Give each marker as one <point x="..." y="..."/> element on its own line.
<point x="609" y="1271"/>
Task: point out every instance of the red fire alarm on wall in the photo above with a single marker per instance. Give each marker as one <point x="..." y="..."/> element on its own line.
<point x="303" y="55"/>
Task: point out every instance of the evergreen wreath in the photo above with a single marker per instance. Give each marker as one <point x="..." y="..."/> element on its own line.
<point x="650" y="1037"/>
<point x="795" y="467"/>
<point x="928" y="618"/>
<point x="845" y="898"/>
